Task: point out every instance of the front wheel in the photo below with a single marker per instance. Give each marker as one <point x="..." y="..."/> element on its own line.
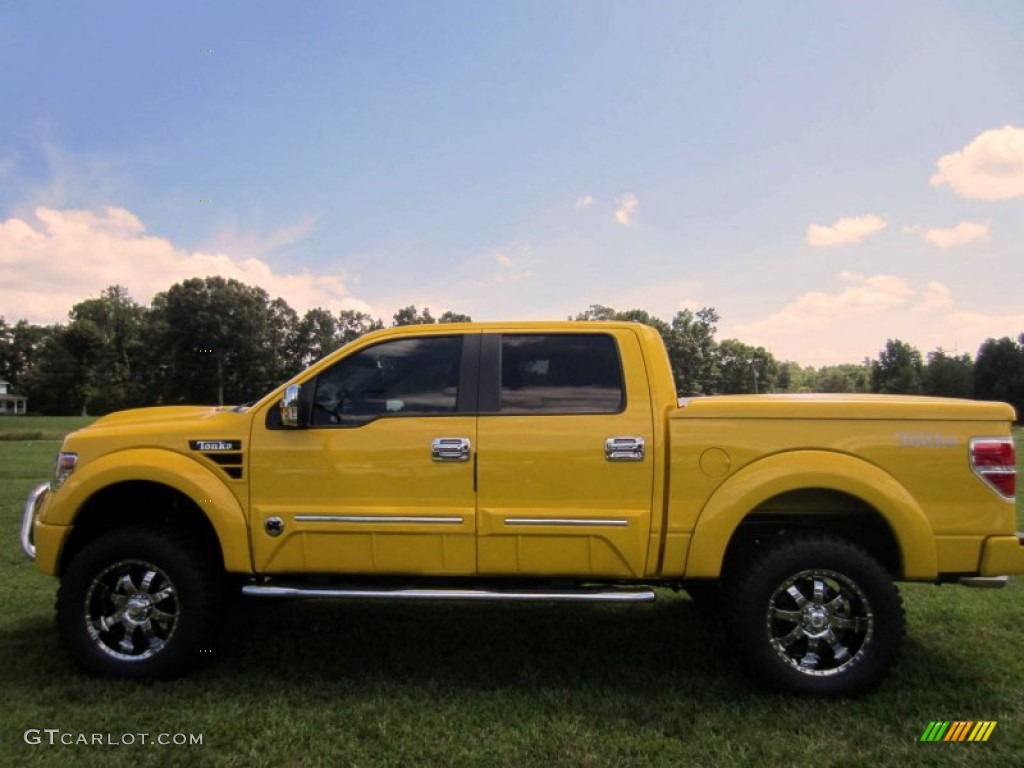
<point x="140" y="602"/>
<point x="816" y="614"/>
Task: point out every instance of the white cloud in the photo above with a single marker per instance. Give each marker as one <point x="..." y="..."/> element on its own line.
<point x="981" y="326"/>
<point x="963" y="233"/>
<point x="230" y="240"/>
<point x="818" y="309"/>
<point x="510" y="269"/>
<point x="65" y="256"/>
<point x="989" y="168"/>
<point x="584" y="202"/>
<point x="627" y="208"/>
<point x="511" y="276"/>
<point x="72" y="181"/>
<point x="851" y="323"/>
<point x="936" y="297"/>
<point x="853" y="229"/>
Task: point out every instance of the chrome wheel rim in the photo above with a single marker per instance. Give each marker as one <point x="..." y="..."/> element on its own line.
<point x="131" y="610"/>
<point x="819" y="622"/>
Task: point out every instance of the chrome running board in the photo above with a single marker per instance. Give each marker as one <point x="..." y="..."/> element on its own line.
<point x="408" y="593"/>
<point x="984" y="582"/>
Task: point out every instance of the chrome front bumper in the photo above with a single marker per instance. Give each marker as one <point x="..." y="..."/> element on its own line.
<point x="28" y="518"/>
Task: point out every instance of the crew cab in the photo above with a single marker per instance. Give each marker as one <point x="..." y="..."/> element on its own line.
<point x="527" y="461"/>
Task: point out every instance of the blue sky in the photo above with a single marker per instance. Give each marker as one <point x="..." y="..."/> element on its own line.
<point x="826" y="175"/>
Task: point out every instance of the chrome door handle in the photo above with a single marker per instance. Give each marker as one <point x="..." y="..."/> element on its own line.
<point x="624" y="449"/>
<point x="450" y="449"/>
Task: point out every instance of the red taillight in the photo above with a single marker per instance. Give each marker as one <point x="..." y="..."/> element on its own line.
<point x="994" y="460"/>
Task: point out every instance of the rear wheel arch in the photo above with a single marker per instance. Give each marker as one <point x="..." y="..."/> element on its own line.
<point x="829" y="512"/>
<point x="822" y="490"/>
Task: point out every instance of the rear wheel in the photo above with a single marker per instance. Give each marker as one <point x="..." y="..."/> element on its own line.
<point x="140" y="602"/>
<point x="816" y="614"/>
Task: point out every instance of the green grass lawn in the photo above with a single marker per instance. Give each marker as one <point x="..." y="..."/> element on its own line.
<point x="40" y="427"/>
<point x="374" y="684"/>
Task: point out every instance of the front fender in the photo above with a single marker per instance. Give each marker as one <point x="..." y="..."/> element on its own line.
<point x="798" y="470"/>
<point x="168" y="468"/>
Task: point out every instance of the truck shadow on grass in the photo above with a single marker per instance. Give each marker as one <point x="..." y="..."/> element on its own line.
<point x="668" y="649"/>
<point x="480" y="645"/>
<point x="671" y="646"/>
<point x="291" y="644"/>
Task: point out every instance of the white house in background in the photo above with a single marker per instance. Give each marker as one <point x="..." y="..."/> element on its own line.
<point x="11" y="405"/>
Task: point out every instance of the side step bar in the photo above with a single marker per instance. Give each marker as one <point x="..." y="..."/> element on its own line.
<point x="571" y="596"/>
<point x="984" y="582"/>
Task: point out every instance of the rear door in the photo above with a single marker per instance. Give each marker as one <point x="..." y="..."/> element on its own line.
<point x="565" y="446"/>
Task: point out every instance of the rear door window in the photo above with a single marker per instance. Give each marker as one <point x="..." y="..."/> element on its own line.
<point x="560" y="373"/>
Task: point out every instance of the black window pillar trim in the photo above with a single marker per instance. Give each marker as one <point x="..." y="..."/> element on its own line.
<point x="469" y="374"/>
<point x="490" y="373"/>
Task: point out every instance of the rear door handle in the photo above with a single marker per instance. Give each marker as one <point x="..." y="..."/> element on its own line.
<point x="625" y="449"/>
<point x="450" y="449"/>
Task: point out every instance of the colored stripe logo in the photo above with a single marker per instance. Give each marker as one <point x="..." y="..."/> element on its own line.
<point x="958" y="730"/>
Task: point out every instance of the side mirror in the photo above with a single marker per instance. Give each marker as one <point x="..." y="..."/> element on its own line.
<point x="290" y="410"/>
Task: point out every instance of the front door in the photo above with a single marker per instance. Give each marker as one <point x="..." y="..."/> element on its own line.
<point x="382" y="480"/>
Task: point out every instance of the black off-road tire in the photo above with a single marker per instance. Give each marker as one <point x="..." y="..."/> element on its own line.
<point x="140" y="603"/>
<point x="815" y="614"/>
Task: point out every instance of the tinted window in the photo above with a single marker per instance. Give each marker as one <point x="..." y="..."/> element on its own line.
<point x="407" y="377"/>
<point x="560" y="374"/>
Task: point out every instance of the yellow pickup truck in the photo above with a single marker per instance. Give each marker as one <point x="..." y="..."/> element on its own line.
<point x="527" y="461"/>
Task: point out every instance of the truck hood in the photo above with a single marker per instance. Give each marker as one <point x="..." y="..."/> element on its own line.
<point x="165" y="426"/>
<point x="829" y="406"/>
<point x="161" y="415"/>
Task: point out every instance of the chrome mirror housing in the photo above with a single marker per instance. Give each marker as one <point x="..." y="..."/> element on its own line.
<point x="290" y="407"/>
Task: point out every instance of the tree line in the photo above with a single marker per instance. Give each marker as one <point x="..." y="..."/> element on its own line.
<point x="214" y="341"/>
<point x="704" y="366"/>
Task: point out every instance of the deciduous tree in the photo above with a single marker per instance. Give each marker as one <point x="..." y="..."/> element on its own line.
<point x="743" y="369"/>
<point x="999" y="372"/>
<point x="898" y="369"/>
<point x="412" y="316"/>
<point x="213" y="337"/>
<point x="949" y="375"/>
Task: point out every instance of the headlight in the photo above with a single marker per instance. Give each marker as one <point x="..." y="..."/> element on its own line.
<point x="63" y="468"/>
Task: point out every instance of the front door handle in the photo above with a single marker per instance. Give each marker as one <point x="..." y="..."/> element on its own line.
<point x="450" y="449"/>
<point x="624" y="449"/>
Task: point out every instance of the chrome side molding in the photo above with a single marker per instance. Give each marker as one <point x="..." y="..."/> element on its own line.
<point x="577" y="521"/>
<point x="374" y="519"/>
